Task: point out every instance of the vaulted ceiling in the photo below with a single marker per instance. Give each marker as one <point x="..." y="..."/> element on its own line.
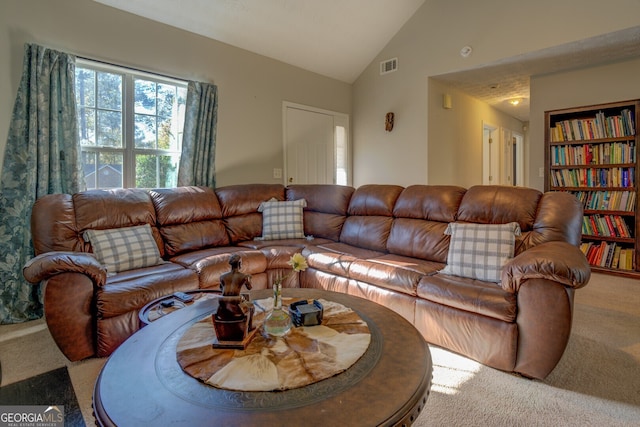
<point x="339" y="38"/>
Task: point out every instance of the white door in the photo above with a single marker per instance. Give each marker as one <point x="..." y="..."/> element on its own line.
<point x="490" y="155"/>
<point x="315" y="145"/>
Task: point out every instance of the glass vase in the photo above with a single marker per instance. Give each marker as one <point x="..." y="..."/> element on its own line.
<point x="278" y="322"/>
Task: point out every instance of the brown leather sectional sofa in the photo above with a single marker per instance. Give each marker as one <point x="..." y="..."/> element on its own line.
<point x="385" y="243"/>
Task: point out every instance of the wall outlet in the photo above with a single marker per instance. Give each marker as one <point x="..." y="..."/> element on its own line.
<point x="277" y="173"/>
<point x="541" y="172"/>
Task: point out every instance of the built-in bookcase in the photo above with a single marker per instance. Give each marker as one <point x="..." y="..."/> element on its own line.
<point x="591" y="152"/>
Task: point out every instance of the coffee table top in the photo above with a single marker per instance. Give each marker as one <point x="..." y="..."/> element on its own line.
<point x="143" y="384"/>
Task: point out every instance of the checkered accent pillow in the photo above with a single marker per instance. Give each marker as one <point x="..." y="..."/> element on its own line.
<point x="122" y="249"/>
<point x="282" y="220"/>
<point x="479" y="251"/>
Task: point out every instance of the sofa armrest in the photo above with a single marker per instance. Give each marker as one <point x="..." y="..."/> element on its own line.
<point x="557" y="261"/>
<point x="49" y="264"/>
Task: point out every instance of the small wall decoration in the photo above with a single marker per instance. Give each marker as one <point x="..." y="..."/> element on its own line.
<point x="388" y="122"/>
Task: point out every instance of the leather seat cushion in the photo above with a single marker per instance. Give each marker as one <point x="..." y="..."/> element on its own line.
<point x="474" y="296"/>
<point x="393" y="272"/>
<point x="131" y="290"/>
<point x="211" y="263"/>
<point x="336" y="258"/>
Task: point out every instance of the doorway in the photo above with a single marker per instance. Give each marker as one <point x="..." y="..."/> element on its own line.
<point x="490" y="154"/>
<point x="316" y="146"/>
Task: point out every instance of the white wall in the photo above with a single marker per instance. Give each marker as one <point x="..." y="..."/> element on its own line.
<point x="455" y="136"/>
<point x="251" y="87"/>
<point x="429" y="45"/>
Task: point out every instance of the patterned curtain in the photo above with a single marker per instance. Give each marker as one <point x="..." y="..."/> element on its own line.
<point x="197" y="162"/>
<point x="41" y="157"/>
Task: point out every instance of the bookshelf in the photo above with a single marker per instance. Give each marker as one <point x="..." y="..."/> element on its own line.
<point x="591" y="152"/>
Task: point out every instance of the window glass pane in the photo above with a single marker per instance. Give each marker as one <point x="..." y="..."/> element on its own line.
<point x="155" y="113"/>
<point x="166" y="135"/>
<point x="109" y="170"/>
<point x="109" y="129"/>
<point x="156" y="171"/>
<point x="145" y="131"/>
<point x="85" y="87"/>
<point x="145" y="97"/>
<point x="87" y="126"/>
<point x="167" y="100"/>
<point x="341" y="155"/>
<point x="89" y="168"/>
<point x="110" y="91"/>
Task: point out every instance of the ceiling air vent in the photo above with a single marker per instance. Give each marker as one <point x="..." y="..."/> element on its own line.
<point x="388" y="66"/>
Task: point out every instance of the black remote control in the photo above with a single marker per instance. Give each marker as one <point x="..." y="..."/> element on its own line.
<point x="183" y="297"/>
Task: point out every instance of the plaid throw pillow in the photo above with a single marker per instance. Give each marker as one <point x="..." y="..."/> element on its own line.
<point x="282" y="220"/>
<point x="479" y="251"/>
<point x="122" y="249"/>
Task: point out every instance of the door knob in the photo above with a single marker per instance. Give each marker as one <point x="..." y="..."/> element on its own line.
<point x="290" y="179"/>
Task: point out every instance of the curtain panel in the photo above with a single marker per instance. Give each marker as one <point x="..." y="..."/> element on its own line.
<point x="41" y="157"/>
<point x="197" y="162"/>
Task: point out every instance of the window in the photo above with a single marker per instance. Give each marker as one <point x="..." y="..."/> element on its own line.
<point x="130" y="126"/>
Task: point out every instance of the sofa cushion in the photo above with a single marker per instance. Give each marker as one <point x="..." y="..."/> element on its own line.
<point x="326" y="209"/>
<point x="131" y="290"/>
<point x="282" y="220"/>
<point x="239" y="205"/>
<point x="189" y="218"/>
<point x="211" y="263"/>
<point x="469" y="295"/>
<point x="336" y="258"/>
<point x="479" y="251"/>
<point x="393" y="272"/>
<point x="419" y="238"/>
<point x="126" y="248"/>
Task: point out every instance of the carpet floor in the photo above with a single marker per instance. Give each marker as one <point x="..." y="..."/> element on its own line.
<point x="596" y="383"/>
<point x="51" y="388"/>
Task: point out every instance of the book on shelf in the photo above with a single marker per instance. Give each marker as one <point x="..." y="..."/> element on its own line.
<point x="603" y="200"/>
<point x="605" y="226"/>
<point x="608" y="255"/>
<point x="598" y="127"/>
<point x="593" y="154"/>
<point x="593" y="177"/>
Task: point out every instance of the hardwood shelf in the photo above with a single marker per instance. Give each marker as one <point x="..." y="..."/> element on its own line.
<point x="598" y="144"/>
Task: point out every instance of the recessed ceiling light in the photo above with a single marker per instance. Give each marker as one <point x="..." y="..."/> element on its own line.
<point x="515" y="101"/>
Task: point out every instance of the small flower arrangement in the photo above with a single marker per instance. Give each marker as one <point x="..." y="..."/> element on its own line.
<point x="298" y="263"/>
<point x="278" y="322"/>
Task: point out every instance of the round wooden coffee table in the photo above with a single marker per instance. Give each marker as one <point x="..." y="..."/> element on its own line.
<point x="143" y="384"/>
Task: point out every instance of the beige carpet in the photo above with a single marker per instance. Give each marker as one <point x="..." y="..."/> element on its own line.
<point x="597" y="382"/>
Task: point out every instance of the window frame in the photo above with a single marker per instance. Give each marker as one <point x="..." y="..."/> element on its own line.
<point x="128" y="150"/>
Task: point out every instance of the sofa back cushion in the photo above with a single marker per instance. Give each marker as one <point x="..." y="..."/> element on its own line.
<point x="422" y="214"/>
<point x="189" y="218"/>
<point x="542" y="217"/>
<point x="117" y="208"/>
<point x="53" y="225"/>
<point x="240" y="204"/>
<point x="370" y="216"/>
<point x="326" y="209"/>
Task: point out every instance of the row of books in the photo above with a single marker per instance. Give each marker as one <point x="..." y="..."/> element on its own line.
<point x="609" y="255"/>
<point x="593" y="177"/>
<point x="598" y="127"/>
<point x="605" y="225"/>
<point x="599" y="154"/>
<point x="607" y="200"/>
